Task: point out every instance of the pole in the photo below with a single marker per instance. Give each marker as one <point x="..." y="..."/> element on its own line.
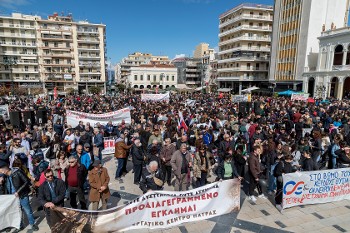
<point x="12" y="84"/>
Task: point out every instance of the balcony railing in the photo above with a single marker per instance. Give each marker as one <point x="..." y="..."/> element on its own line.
<point x="340" y="67"/>
<point x="246" y="16"/>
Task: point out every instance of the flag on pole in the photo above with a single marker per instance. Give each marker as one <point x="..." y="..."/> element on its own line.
<point x="181" y="122"/>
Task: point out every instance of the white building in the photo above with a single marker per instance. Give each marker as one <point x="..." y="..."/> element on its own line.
<point x="244" y="46"/>
<point x="137" y="59"/>
<point x="330" y="78"/>
<point x="296" y="26"/>
<point x="152" y="76"/>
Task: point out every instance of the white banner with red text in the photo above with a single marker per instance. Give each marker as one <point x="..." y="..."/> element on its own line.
<point x="300" y="96"/>
<point x="10" y="212"/>
<point x="304" y="188"/>
<point x="155" y="97"/>
<point x="115" y="117"/>
<point x="154" y="210"/>
<point x="109" y="145"/>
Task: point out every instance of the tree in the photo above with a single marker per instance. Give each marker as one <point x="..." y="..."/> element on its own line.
<point x="36" y="91"/>
<point x="120" y="87"/>
<point x="70" y="91"/>
<point x="94" y="90"/>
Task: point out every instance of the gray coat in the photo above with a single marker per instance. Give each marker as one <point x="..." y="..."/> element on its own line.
<point x="176" y="162"/>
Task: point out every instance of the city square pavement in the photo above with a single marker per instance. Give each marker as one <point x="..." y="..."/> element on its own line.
<point x="261" y="216"/>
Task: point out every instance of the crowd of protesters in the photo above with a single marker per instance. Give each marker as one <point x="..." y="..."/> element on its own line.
<point x="169" y="143"/>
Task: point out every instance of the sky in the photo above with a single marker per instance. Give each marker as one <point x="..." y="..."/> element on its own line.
<point x="160" y="27"/>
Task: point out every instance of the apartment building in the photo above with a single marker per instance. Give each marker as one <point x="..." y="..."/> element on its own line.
<point x="191" y="71"/>
<point x="18" y="50"/>
<point x="137" y="59"/>
<point x="53" y="52"/>
<point x="297" y="24"/>
<point x="244" y="46"/>
<point x="151" y="76"/>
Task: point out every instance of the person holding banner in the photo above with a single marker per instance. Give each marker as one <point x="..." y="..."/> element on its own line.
<point x="152" y="178"/>
<point x="284" y="166"/>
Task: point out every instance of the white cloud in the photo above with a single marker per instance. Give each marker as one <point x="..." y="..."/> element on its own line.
<point x="11" y="4"/>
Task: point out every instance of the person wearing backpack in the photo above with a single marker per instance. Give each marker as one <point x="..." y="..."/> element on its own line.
<point x="284" y="166"/>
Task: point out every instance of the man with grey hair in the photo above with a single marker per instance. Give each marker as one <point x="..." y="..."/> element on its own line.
<point x="75" y="178"/>
<point x="152" y="178"/>
<point x="166" y="152"/>
<point x="138" y="158"/>
<point x="181" y="163"/>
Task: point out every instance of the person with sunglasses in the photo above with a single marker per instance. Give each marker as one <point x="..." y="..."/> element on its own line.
<point x="75" y="179"/>
<point x="51" y="193"/>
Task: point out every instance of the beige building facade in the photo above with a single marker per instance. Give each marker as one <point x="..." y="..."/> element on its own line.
<point x="134" y="60"/>
<point x="244" y="46"/>
<point x="56" y="52"/>
<point x="161" y="76"/>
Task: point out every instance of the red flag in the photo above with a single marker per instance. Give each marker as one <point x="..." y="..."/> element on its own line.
<point x="55" y="94"/>
<point x="156" y="89"/>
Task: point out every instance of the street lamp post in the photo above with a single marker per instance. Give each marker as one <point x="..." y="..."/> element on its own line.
<point x="11" y="62"/>
<point x="163" y="76"/>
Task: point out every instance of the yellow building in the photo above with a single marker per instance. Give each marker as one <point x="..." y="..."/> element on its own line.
<point x="297" y="24"/>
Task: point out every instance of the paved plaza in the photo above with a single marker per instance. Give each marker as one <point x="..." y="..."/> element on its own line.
<point x="260" y="217"/>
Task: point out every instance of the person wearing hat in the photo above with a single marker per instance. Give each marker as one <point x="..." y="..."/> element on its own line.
<point x="98" y="180"/>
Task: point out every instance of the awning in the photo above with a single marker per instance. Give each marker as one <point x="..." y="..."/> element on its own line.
<point x="250" y="89"/>
<point x="224" y="90"/>
<point x="199" y="88"/>
<point x="183" y="87"/>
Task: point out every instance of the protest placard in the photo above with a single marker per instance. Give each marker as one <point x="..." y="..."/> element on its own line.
<point x="304" y="188"/>
<point x="155" y="209"/>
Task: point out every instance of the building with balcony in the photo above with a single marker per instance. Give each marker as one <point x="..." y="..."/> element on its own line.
<point x="137" y="59"/>
<point x="297" y="25"/>
<point x="56" y="52"/>
<point x="331" y="76"/>
<point x="18" y="50"/>
<point x="151" y="76"/>
<point x="192" y="71"/>
<point x="244" y="46"/>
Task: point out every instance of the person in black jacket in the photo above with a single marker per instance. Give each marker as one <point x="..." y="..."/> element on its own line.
<point x="152" y="178"/>
<point x="3" y="189"/>
<point x="75" y="179"/>
<point x="227" y="169"/>
<point x="51" y="194"/>
<point x="308" y="163"/>
<point x="138" y="156"/>
<point x="4" y="156"/>
<point x="343" y="155"/>
<point x="283" y="167"/>
<point x="18" y="184"/>
<point x="240" y="160"/>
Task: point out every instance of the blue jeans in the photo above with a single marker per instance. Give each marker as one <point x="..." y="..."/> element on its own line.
<point x="27" y="209"/>
<point x="119" y="168"/>
<point x="334" y="162"/>
<point x="272" y="179"/>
